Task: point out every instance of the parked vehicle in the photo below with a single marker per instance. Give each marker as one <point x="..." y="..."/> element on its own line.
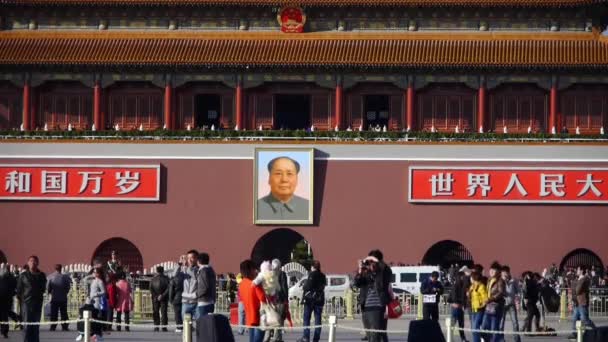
<point x="337" y="284"/>
<point x="409" y="278"/>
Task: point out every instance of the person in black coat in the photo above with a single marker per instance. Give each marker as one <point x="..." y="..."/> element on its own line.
<point x="176" y="287"/>
<point x="458" y="300"/>
<point x="159" y="290"/>
<point x="314" y="299"/>
<point x="30" y="290"/>
<point x="432" y="289"/>
<point x="8" y="283"/>
<point x="530" y="293"/>
<point x="374" y="280"/>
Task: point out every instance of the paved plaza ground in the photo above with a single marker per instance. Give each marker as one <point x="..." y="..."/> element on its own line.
<point x="145" y="335"/>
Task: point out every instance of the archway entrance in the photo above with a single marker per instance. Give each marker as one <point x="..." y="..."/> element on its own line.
<point x="446" y="253"/>
<point x="2" y="258"/>
<point x="581" y="257"/>
<point x="129" y="256"/>
<point x="283" y="244"/>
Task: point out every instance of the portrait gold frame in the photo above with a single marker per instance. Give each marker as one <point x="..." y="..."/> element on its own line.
<point x="256" y="168"/>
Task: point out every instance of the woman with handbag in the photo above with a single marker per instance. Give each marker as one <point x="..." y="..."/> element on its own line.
<point x="479" y="296"/>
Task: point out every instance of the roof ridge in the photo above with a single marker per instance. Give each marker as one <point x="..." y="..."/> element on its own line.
<point x="255" y="36"/>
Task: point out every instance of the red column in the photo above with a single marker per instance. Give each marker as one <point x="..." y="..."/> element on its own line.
<point x="97" y="106"/>
<point x="33" y="107"/>
<point x="238" y="95"/>
<point x="167" y="111"/>
<point x="338" y="113"/>
<point x="553" y="108"/>
<point x="27" y="122"/>
<point x="481" y="108"/>
<point x="409" y="107"/>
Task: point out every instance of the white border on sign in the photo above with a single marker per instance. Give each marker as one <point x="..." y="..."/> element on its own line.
<point x="412" y="168"/>
<point x="311" y="155"/>
<point x="147" y="199"/>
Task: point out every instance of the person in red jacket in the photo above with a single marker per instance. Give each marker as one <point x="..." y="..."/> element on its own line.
<point x="111" y="293"/>
<point x="252" y="297"/>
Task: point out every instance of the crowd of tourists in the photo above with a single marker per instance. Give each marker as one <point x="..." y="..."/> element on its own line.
<point x="489" y="301"/>
<point x="263" y="303"/>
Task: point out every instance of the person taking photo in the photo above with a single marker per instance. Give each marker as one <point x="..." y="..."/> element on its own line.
<point x="374" y="280"/>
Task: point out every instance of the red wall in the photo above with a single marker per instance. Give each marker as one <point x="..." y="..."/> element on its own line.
<point x="363" y="205"/>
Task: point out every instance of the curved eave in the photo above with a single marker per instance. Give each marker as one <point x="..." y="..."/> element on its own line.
<point x="330" y="50"/>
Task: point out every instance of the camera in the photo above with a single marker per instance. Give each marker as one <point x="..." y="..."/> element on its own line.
<point x="365" y="264"/>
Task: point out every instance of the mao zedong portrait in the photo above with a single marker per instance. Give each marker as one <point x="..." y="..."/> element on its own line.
<point x="282" y="203"/>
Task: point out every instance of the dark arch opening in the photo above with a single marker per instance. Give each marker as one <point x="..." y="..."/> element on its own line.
<point x="448" y="252"/>
<point x="2" y="258"/>
<point x="581" y="257"/>
<point x="283" y="244"/>
<point x="127" y="253"/>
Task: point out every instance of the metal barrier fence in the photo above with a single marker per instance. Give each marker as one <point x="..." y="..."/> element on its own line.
<point x="333" y="325"/>
<point x="343" y="307"/>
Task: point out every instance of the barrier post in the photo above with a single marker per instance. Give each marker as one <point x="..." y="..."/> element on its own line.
<point x="419" y="308"/>
<point x="349" y="304"/>
<point x="187" y="328"/>
<point x="332" y="328"/>
<point x="579" y="331"/>
<point x="86" y="315"/>
<point x="448" y="329"/>
<point x="563" y="305"/>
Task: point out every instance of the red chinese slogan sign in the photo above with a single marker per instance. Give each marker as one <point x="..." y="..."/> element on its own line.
<point x="508" y="185"/>
<point x="80" y="182"/>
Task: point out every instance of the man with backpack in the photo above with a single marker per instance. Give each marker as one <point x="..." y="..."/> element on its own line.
<point x="314" y="300"/>
<point x="175" y="293"/>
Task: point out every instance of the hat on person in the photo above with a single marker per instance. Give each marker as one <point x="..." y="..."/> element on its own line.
<point x="464" y="269"/>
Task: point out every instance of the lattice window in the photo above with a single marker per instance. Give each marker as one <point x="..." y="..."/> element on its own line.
<point x="518" y="108"/>
<point x="586" y="107"/>
<point x="227" y="115"/>
<point x="10" y="110"/>
<point x="320" y="111"/>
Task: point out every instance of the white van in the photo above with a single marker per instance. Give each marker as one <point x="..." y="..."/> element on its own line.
<point x="409" y="278"/>
<point x="337" y="284"/>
